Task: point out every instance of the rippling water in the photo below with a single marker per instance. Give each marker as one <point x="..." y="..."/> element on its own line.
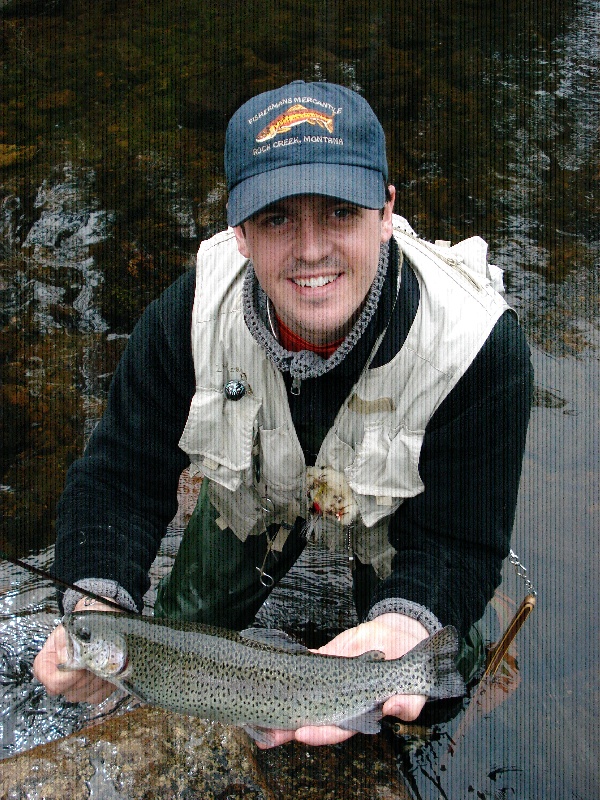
<point x="27" y="615"/>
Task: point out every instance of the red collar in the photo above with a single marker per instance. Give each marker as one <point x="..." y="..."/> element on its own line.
<point x="291" y="341"/>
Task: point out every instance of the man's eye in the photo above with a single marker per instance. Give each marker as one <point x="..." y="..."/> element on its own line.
<point x="275" y="220"/>
<point x="343" y="213"/>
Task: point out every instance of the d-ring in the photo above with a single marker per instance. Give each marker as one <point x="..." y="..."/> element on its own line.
<point x="267" y="505"/>
<point x="266" y="580"/>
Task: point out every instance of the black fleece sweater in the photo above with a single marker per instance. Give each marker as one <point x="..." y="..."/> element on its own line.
<point x="450" y="539"/>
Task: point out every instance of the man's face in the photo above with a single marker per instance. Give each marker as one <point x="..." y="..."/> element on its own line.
<point x="316" y="258"/>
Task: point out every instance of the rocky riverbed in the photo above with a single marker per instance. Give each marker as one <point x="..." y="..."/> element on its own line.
<point x="150" y="754"/>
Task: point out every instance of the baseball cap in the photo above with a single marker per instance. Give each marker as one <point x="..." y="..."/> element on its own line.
<point x="304" y="138"/>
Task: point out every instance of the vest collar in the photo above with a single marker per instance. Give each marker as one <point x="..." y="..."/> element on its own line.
<point x="306" y="364"/>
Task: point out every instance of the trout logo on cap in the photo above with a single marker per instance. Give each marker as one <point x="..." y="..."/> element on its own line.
<point x="295" y="115"/>
<point x="282" y="143"/>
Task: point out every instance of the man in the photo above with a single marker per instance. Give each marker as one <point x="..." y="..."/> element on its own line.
<point x="330" y="375"/>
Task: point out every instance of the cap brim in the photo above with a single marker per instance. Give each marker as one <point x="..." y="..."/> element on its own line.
<point x="358" y="185"/>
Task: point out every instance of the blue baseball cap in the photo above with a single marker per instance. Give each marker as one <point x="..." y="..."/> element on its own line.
<point x="304" y="138"/>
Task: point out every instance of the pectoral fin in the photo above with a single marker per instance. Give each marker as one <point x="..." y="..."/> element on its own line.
<point x="129" y="689"/>
<point x="67" y="666"/>
<point x="368" y="722"/>
<point x="260" y="735"/>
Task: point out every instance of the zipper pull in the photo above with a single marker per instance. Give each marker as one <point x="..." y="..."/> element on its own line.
<point x="295" y="390"/>
<point x="350" y="545"/>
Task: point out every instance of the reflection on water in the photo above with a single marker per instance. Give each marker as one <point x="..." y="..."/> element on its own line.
<point x="112" y="123"/>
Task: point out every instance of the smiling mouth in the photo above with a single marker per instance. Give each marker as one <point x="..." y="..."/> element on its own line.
<point x="316" y="282"/>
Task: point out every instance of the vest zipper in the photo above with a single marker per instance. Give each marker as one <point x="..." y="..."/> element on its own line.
<point x="295" y="390"/>
<point x="350" y="545"/>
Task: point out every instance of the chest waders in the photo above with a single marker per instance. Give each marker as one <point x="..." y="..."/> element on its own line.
<point x="216" y="578"/>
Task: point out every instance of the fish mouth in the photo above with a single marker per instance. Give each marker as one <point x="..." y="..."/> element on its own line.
<point x="105" y="655"/>
<point x="74" y="657"/>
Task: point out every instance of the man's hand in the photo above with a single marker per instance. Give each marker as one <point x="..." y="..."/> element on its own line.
<point x="75" y="685"/>
<point x="393" y="634"/>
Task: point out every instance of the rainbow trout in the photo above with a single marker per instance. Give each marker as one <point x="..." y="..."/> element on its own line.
<point x="257" y="679"/>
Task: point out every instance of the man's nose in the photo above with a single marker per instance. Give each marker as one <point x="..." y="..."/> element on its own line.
<point x="311" y="243"/>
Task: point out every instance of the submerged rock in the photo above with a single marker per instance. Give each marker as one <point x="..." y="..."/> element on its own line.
<point x="146" y="754"/>
<point x="361" y="768"/>
<point x="12" y="154"/>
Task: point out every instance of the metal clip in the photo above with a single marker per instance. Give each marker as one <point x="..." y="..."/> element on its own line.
<point x="268" y="507"/>
<point x="266" y="580"/>
<point x="521" y="572"/>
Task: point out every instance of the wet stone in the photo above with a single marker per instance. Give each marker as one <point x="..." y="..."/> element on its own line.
<point x="12" y="154"/>
<point x="362" y="768"/>
<point x="148" y="753"/>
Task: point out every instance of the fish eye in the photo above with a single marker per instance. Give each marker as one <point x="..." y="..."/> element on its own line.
<point x="83" y="633"/>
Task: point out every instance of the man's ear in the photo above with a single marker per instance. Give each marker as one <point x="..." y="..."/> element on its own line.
<point x="387" y="227"/>
<point x="240" y="237"/>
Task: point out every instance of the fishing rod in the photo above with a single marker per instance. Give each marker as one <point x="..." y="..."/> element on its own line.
<point x="499" y="650"/>
<point x="42" y="573"/>
<point x="495" y="656"/>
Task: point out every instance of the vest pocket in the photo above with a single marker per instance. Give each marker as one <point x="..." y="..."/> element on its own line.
<point x="239" y="510"/>
<point x="385" y="471"/>
<point x="281" y="460"/>
<point x="218" y="436"/>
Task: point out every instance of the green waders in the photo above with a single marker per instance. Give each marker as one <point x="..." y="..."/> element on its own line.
<point x="215" y="579"/>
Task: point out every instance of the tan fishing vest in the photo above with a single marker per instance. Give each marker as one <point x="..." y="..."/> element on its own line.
<point x="248" y="448"/>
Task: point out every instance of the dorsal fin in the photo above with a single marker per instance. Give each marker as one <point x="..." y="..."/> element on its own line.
<point x="372" y="655"/>
<point x="273" y="638"/>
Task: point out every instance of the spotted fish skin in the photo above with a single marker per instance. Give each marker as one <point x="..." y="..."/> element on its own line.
<point x="224" y="676"/>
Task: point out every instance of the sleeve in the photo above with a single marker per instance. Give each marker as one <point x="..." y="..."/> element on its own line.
<point x="452" y="538"/>
<point x="121" y="495"/>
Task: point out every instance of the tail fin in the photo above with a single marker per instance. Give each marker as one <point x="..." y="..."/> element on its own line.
<point x="442" y="648"/>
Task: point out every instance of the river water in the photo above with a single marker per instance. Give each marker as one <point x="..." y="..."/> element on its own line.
<point x="111" y="136"/>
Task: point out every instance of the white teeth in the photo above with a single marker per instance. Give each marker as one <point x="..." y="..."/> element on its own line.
<point x="313" y="283"/>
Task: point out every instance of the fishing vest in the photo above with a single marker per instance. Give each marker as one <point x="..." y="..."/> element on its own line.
<point x="248" y="447"/>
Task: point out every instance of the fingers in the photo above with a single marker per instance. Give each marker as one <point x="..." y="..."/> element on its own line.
<point x="405" y="706"/>
<point x="310" y="734"/>
<point x="322" y="734"/>
<point x="393" y="634"/>
<point x="45" y="665"/>
<point x="75" y="685"/>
